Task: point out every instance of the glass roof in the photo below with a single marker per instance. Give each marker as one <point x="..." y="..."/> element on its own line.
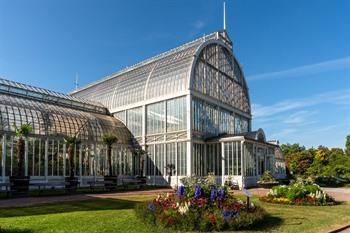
<point x="165" y="74"/>
<point x="55" y="121"/>
<point x="19" y="89"/>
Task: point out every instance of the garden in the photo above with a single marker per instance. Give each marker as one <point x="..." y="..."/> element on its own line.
<point x="299" y="193"/>
<point x="201" y="206"/>
<point x="118" y="215"/>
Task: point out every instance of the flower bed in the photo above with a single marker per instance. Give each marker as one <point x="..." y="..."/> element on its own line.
<point x="298" y="194"/>
<point x="200" y="208"/>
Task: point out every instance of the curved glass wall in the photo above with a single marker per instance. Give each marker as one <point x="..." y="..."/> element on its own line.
<point x="218" y="75"/>
<point x="166" y="74"/>
<point x="49" y="120"/>
<point x="45" y="150"/>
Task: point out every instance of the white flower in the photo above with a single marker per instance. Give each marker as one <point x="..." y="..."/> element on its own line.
<point x="252" y="205"/>
<point x="183" y="209"/>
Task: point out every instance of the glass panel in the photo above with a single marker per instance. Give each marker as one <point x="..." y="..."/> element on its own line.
<point x="134" y="121"/>
<point x="170" y="159"/>
<point x="176" y="114"/>
<point x="159" y="159"/>
<point x="11" y="161"/>
<point x="239" y="151"/>
<point x="150" y="168"/>
<point x="155" y="118"/>
<point x="198" y="160"/>
<point x="181" y="159"/>
<point x="214" y="159"/>
<point x="212" y="121"/>
<point x="250" y="168"/>
<point x="121" y="116"/>
<point x="218" y="75"/>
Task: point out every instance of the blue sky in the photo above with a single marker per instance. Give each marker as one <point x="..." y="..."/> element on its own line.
<point x="295" y="53"/>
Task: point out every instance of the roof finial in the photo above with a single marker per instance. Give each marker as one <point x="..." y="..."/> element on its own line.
<point x="76" y="81"/>
<point x="224" y="16"/>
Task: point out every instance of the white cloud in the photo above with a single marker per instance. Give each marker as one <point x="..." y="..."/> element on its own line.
<point x="283" y="133"/>
<point x="197" y="27"/>
<point x="199" y="24"/>
<point x="330" y="65"/>
<point x="334" y="97"/>
<point x="299" y="117"/>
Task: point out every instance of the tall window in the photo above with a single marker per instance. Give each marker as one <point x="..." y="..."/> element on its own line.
<point x="134" y="121"/>
<point x="181" y="159"/>
<point x="155" y="118"/>
<point x="176" y="114"/>
<point x="213" y="159"/>
<point x="170" y="158"/>
<point x="232" y="153"/>
<point x="157" y="159"/>
<point x="206" y="117"/>
<point x="212" y="120"/>
<point x="250" y="168"/>
<point x="198" y="159"/>
<point x="241" y="124"/>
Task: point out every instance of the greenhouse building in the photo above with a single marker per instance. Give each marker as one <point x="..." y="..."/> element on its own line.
<point x="187" y="108"/>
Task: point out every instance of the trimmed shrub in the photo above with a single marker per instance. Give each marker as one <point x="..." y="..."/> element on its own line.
<point x="298" y="194"/>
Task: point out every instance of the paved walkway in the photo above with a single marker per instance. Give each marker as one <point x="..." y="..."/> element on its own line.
<point x="347" y="230"/>
<point x="340" y="194"/>
<point x="29" y="201"/>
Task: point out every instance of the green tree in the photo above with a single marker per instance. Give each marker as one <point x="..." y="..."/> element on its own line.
<point x="347" y="145"/>
<point x="21" y="132"/>
<point x="290" y="151"/>
<point x="322" y="154"/>
<point x="109" y="140"/>
<point x="300" y="162"/>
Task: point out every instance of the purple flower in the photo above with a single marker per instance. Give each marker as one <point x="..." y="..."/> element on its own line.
<point x="213" y="194"/>
<point x="181" y="191"/>
<point x="151" y="206"/>
<point x="228" y="214"/>
<point x="197" y="192"/>
<point x="221" y="194"/>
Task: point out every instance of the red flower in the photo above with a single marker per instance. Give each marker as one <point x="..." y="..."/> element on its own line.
<point x="170" y="220"/>
<point x="212" y="219"/>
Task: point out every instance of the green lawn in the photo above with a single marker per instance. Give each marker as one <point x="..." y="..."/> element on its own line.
<point x="107" y="215"/>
